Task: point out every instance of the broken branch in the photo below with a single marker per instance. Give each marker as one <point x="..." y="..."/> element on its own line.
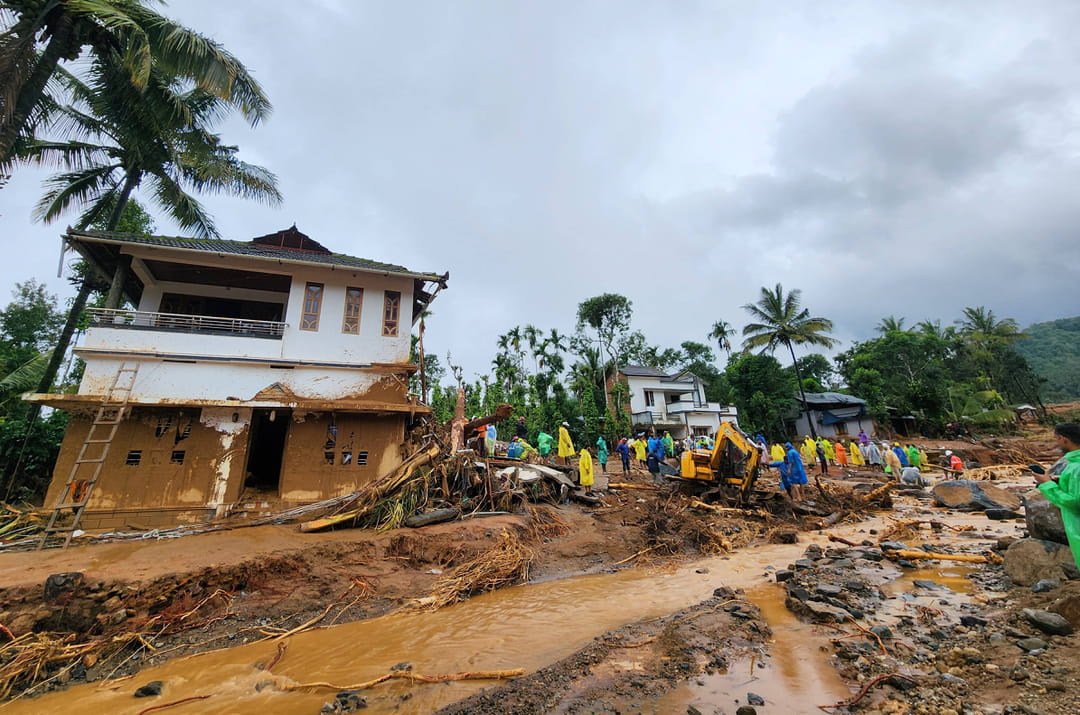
<point x="414" y="677"/>
<point x="912" y="554"/>
<point x="175" y="702"/>
<point x="866" y="689"/>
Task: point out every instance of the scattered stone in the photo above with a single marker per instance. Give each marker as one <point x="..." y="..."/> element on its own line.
<point x="1018" y="673"/>
<point x="784" y="575"/>
<point x="1031" y="560"/>
<point x="1004" y="542"/>
<point x="828" y="589"/>
<point x="970" y="494"/>
<point x="882" y="632"/>
<point x="996" y="638"/>
<point x="746" y="710"/>
<point x="929" y="585"/>
<point x="1002" y="514"/>
<point x="1054" y="685"/>
<point x="893" y="546"/>
<point x="1043" y="518"/>
<point x="799" y="593"/>
<point x="821" y="611"/>
<point x="61" y="583"/>
<point x="755" y="699"/>
<point x="1030" y="644"/>
<point x="969" y="621"/>
<point x="691" y="710"/>
<point x="1048" y="622"/>
<point x="905" y="564"/>
<point x="857" y="586"/>
<point x="803" y="564"/>
<point x="950" y="678"/>
<point x="151" y="688"/>
<point x="785" y="536"/>
<point x="1067" y="606"/>
<point x="1045" y="585"/>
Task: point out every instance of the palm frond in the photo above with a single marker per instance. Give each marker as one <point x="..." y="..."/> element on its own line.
<point x="25" y="377"/>
<point x="75" y="187"/>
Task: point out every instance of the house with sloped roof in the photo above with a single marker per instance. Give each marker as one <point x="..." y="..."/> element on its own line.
<point x="242" y="375"/>
<point x="672" y="403"/>
<point x="834" y="414"/>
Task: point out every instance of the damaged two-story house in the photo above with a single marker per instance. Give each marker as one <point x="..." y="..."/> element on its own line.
<point x="271" y="371"/>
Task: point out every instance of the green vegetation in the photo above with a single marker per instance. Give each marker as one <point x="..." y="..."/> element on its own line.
<point x="1053" y="351"/>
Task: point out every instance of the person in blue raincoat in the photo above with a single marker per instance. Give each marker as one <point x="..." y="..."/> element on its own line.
<point x="796" y="472"/>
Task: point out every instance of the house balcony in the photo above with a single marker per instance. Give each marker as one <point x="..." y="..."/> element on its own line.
<point x="171" y="335"/>
<point x="649" y="417"/>
<point x="679" y="408"/>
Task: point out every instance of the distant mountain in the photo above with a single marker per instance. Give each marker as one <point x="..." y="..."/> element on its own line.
<point x="1053" y="351"/>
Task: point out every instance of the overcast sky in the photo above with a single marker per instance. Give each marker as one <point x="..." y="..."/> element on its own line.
<point x="887" y="158"/>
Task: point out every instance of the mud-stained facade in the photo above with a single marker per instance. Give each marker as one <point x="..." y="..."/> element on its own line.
<point x="266" y="374"/>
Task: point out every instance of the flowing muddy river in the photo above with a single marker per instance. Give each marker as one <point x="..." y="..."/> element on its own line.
<point x="521" y="627"/>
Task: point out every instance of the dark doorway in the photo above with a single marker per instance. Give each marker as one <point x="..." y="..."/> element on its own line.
<point x="269" y="429"/>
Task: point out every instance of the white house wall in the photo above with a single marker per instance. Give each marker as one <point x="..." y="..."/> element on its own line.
<point x="158" y="380"/>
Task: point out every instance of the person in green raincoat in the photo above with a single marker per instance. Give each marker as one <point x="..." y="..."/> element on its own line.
<point x="585" y="470"/>
<point x="601" y="453"/>
<point x="830" y="452"/>
<point x="1063" y="490"/>
<point x="913" y="457"/>
<point x="543" y="444"/>
<point x="669" y="445"/>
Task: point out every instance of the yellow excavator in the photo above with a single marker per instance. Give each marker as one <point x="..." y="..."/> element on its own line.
<point x="729" y="470"/>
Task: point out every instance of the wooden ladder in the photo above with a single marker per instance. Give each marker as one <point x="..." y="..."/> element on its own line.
<point x="87" y="467"/>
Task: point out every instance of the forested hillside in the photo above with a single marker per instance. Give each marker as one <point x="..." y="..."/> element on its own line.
<point x="1053" y="351"/>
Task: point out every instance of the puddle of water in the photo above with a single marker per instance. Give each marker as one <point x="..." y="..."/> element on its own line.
<point x="522" y="627"/>
<point x="796" y="678"/>
<point x="951" y="577"/>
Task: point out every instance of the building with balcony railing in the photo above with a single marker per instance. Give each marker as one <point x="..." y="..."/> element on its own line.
<point x="271" y="370"/>
<point x="672" y="403"/>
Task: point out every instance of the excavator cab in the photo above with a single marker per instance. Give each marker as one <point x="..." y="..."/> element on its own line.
<point x="730" y="468"/>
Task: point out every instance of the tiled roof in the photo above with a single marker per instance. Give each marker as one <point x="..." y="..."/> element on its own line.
<point x="641" y="371"/>
<point x="245" y="248"/>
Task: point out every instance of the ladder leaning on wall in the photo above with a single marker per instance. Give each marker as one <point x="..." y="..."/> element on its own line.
<point x="86" y="469"/>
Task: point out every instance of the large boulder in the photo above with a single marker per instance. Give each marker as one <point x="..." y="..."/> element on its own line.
<point x="1031" y="560"/>
<point x="970" y="494"/>
<point x="1043" y="518"/>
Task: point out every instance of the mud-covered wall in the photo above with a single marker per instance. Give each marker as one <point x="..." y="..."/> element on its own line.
<point x="160" y="457"/>
<point x="328" y="454"/>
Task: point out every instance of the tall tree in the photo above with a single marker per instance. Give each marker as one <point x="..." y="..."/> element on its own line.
<point x="609" y="315"/>
<point x="721" y="332"/>
<point x="890" y="324"/>
<point x="39" y="34"/>
<point x="781" y="320"/>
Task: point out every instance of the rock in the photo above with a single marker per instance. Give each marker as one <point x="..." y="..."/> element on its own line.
<point x="784" y="575"/>
<point x="1047" y="622"/>
<point x="858" y="586"/>
<point x="755" y="699"/>
<point x="1031" y="560"/>
<point x="828" y="589"/>
<point x="691" y="710"/>
<point x="972" y="621"/>
<point x="746" y="710"/>
<point x="970" y="494"/>
<point x="820" y="611"/>
<point x="61" y="583"/>
<point x="1004" y="542"/>
<point x="928" y="585"/>
<point x="1002" y="514"/>
<point x="1043" y="518"/>
<point x="786" y="536"/>
<point x="1030" y="644"/>
<point x="1045" y="585"/>
<point x="1068" y="606"/>
<point x="799" y="593"/>
<point x="882" y="632"/>
<point x="151" y="688"/>
<point x="348" y="701"/>
<point x="803" y="564"/>
<point x="893" y="545"/>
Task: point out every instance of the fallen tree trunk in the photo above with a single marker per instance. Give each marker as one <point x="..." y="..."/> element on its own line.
<point x="915" y="554"/>
<point x="501" y="413"/>
<point x="457" y="426"/>
<point x="878" y="493"/>
<point x="375" y="491"/>
<point x="626" y="485"/>
<point x="729" y="510"/>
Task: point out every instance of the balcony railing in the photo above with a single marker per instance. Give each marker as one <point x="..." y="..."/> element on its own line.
<point x="175" y="322"/>
<point x="654" y="418"/>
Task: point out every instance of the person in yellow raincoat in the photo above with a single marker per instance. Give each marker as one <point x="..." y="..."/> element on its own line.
<point x="808" y="450"/>
<point x="841" y="454"/>
<point x="855" y="454"/>
<point x="830" y="453"/>
<point x="639" y="445"/>
<point x="566" y="445"/>
<point x="777" y="453"/>
<point x="585" y="470"/>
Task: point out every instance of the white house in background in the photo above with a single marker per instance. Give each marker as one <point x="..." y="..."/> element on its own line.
<point x="674" y="403"/>
<point x="271" y="370"/>
<point x="833" y="414"/>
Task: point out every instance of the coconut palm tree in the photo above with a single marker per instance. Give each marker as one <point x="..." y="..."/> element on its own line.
<point x="983" y="327"/>
<point x="117" y="138"/>
<point x="782" y="321"/>
<point x="890" y="324"/>
<point x="721" y="332"/>
<point x="39" y="34"/>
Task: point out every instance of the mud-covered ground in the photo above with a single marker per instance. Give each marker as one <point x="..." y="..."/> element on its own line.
<point x="227" y="588"/>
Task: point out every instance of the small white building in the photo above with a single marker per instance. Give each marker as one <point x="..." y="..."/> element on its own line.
<point x="271" y="370"/>
<point x="834" y="415"/>
<point x="673" y="403"/>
